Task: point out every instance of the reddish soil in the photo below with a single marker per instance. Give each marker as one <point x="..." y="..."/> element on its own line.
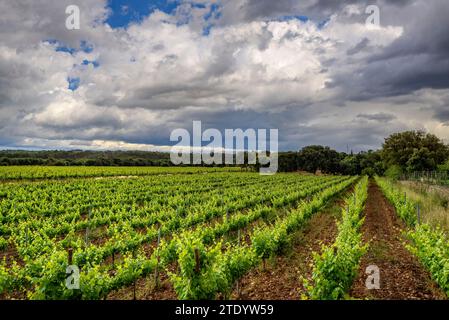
<point x="10" y="254"/>
<point x="401" y="274"/>
<point x="281" y="280"/>
<point x="146" y="289"/>
<point x="320" y="229"/>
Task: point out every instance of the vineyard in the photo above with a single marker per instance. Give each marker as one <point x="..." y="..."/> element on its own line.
<point x="49" y="172"/>
<point x="194" y="232"/>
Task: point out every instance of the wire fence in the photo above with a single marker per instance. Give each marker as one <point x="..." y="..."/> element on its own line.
<point x="431" y="177"/>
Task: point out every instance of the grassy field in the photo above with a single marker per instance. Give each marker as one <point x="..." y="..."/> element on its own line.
<point x="433" y="201"/>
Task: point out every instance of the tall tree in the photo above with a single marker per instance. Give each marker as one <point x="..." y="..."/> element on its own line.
<point x="414" y="151"/>
<point x="313" y="158"/>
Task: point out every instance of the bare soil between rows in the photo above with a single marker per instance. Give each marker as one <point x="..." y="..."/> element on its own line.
<point x="282" y="277"/>
<point x="281" y="280"/>
<point x="401" y="274"/>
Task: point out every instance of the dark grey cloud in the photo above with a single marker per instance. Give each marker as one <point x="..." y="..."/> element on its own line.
<point x="379" y="117"/>
<point x="319" y="9"/>
<point x="442" y="114"/>
<point x="236" y="11"/>
<point x="441" y="110"/>
<point x="255" y="9"/>
<point x="417" y="60"/>
<point x="358" y="47"/>
<point x="340" y="85"/>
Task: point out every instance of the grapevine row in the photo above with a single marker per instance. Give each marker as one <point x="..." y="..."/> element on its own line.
<point x="431" y="246"/>
<point x="335" y="268"/>
<point x="44" y="270"/>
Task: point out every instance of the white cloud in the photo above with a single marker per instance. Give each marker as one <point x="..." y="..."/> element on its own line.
<point x="160" y="74"/>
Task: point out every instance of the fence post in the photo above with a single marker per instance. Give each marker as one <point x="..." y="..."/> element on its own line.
<point x="26" y="238"/>
<point x="418" y="212"/>
<point x="134" y="284"/>
<point x="238" y="280"/>
<point x="70" y="255"/>
<point x="156" y="271"/>
<point x="87" y="228"/>
<point x="197" y="260"/>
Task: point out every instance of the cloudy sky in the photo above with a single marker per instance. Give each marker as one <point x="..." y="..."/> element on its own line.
<point x="136" y="70"/>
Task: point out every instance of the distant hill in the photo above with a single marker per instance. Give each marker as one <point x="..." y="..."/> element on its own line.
<point x="81" y="158"/>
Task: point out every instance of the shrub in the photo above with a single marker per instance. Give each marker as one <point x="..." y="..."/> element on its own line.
<point x="370" y="172"/>
<point x="394" y="172"/>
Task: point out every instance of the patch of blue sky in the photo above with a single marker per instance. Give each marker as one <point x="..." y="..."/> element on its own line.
<point x="199" y="5"/>
<point x="86" y="47"/>
<point x="323" y="24"/>
<point x="293" y="17"/>
<point x="95" y="63"/>
<point x="61" y="47"/>
<point x="214" y="12"/>
<point x="206" y="29"/>
<point x="74" y="83"/>
<point x="125" y="12"/>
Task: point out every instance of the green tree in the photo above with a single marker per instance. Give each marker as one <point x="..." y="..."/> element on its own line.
<point x="420" y="160"/>
<point x="364" y="162"/>
<point x="394" y="172"/>
<point x="313" y="158"/>
<point x="350" y="165"/>
<point x="288" y="161"/>
<point x="414" y="151"/>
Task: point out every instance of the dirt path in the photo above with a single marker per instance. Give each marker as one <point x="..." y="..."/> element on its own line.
<point x="281" y="279"/>
<point x="401" y="274"/>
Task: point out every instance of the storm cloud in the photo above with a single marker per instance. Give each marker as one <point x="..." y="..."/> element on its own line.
<point x="313" y="69"/>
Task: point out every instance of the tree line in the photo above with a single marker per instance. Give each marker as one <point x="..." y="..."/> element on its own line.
<point x="402" y="152"/>
<point x="84" y="158"/>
